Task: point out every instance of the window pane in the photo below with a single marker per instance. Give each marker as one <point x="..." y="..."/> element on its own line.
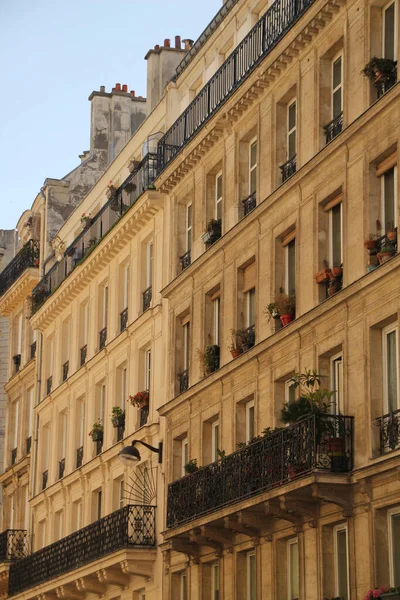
<point x="189" y="216"/>
<point x="341" y="548"/>
<point x="219" y="186"/>
<point x="215" y="582"/>
<point x="291" y="267"/>
<point x="294" y="570"/>
<point x="396" y="549"/>
<point x="336" y="235"/>
<point x="389" y="25"/>
<point x="391" y="348"/>
<point x="292" y="116"/>
<point x="253" y="180"/>
<point x="337" y="102"/>
<point x="183" y="587"/>
<point x="250" y="423"/>
<point x="337" y="385"/>
<point x="251" y="315"/>
<point x="337" y="72"/>
<point x="292" y="144"/>
<point x="253" y="154"/>
<point x="252" y="577"/>
<point x="389" y="207"/>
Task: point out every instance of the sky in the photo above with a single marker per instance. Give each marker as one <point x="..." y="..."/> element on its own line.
<point x="53" y="54"/>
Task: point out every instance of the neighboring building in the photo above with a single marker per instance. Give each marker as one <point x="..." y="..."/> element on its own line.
<point x="266" y="160"/>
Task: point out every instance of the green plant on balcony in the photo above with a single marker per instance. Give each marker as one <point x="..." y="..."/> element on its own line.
<point x="97" y="431"/>
<point x="240" y="341"/>
<point x="209" y="359"/>
<point x="117" y="416"/>
<point x="385" y="253"/>
<point x="191" y="466"/>
<point x="213" y="232"/>
<point x="380" y="70"/>
<point x="271" y="312"/>
<point x="140" y="399"/>
<point x="284" y="307"/>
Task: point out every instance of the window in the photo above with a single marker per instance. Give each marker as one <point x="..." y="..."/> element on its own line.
<point x="215" y="582"/>
<point x="389" y="204"/>
<point x="81" y="422"/>
<point x="105" y="306"/>
<point x="341" y="562"/>
<point x="186" y="346"/>
<point x="16" y="423"/>
<point x="141" y="594"/>
<point x="291" y="130"/>
<point x="335" y="236"/>
<point x="290" y="267"/>
<point x="147" y="370"/>
<point x="293" y="569"/>
<point x="389" y="33"/>
<point x="123" y="388"/>
<point x="214" y="440"/>
<point x="216" y="305"/>
<point x="390" y="368"/>
<point x="125" y="301"/>
<point x="290" y="391"/>
<point x="250" y="421"/>
<point x="98" y="500"/>
<point x="19" y="334"/>
<point x="337" y="384"/>
<point x="102" y="402"/>
<point x="218" y="196"/>
<point x="337" y="87"/>
<point x="77" y="515"/>
<point x="184" y="454"/>
<point x="251" y="576"/>
<point x="63" y="435"/>
<point x="188" y="237"/>
<point x="394" y="546"/>
<point x="149" y="265"/>
<point x="183" y="586"/>
<point x="58" y="525"/>
<point x="251" y="307"/>
<point x="253" y="166"/>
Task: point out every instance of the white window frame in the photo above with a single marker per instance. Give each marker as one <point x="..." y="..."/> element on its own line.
<point x="292" y="130"/>
<point x="184" y="454"/>
<point x="64" y="431"/>
<point x="392" y="512"/>
<point x="330" y="218"/>
<point x="385" y="331"/>
<point x="102" y="402"/>
<point x="126" y="286"/>
<point x="250" y="294"/>
<point x="19" y="338"/>
<point x="249" y="556"/>
<point x="142" y="594"/>
<point x="337" y="398"/>
<point x="214" y="440"/>
<point x="149" y="265"/>
<point x="85" y="322"/>
<point x="340" y="86"/>
<point x="215" y="581"/>
<point x="124" y="373"/>
<point x="16" y="424"/>
<point x="186" y="346"/>
<point x="250" y="409"/>
<point x="287" y="265"/>
<point x="384" y="9"/>
<point x="82" y="418"/>
<point x="188" y="225"/>
<point x="290" y="543"/>
<point x="121" y="492"/>
<point x="99" y="504"/>
<point x="289" y="385"/>
<point x="147" y="369"/>
<point x="336" y="529"/>
<point x="253" y="167"/>
<point x="216" y="320"/>
<point x="383" y="215"/>
<point x="218" y="199"/>
<point x="183" y="585"/>
<point x="105" y="306"/>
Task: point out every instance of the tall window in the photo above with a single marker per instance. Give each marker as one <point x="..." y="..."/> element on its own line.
<point x="216" y="305"/>
<point x="105" y="306"/>
<point x="253" y="166"/>
<point x="188" y="236"/>
<point x="126" y="287"/>
<point x="147" y="369"/>
<point x="149" y="265"/>
<point x="215" y="582"/>
<point x="16" y="423"/>
<point x="250" y="421"/>
<point x="337" y="87"/>
<point x="337" y="384"/>
<point x="251" y="574"/>
<point x="184" y="454"/>
<point x="63" y="435"/>
<point x="214" y="440"/>
<point x="394" y="546"/>
<point x="389" y="33"/>
<point x="293" y="569"/>
<point x="186" y="346"/>
<point x="77" y="515"/>
<point x="290" y="391"/>
<point x="218" y="196"/>
<point x="251" y="307"/>
<point x="102" y="402"/>
<point x="123" y="387"/>
<point x="291" y="130"/>
<point x="390" y="368"/>
<point x="80" y="409"/>
<point x="183" y="586"/>
<point x="58" y="525"/>
<point x="341" y="562"/>
<point x="19" y="334"/>
<point x="335" y="236"/>
<point x="290" y="267"/>
<point x="389" y="204"/>
<point x="31" y="404"/>
<point x="98" y="501"/>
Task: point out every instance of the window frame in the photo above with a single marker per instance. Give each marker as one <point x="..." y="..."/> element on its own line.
<point x="149" y="265"/>
<point x="147" y="369"/>
<point x="338" y="56"/>
<point x="218" y="199"/>
<point x="184" y="454"/>
<point x="249" y="556"/>
<point x="215" y="593"/>
<point x="214" y="440"/>
<point x="250" y="306"/>
<point x="289" y="385"/>
<point x="384" y="9"/>
<point x="250" y="407"/>
<point x="186" y="345"/>
<point x="216" y="308"/>
<point x="383" y="198"/>
<point x="336" y="529"/>
<point x="183" y="589"/>
<point x="289" y="131"/>
<point x="338" y="402"/>
<point x="287" y="263"/>
<point x="392" y="512"/>
<point x="292" y="542"/>
<point x="188" y="227"/>
<point x="126" y="286"/>
<point x="253" y="167"/>
<point x="331" y="236"/>
<point x="105" y="306"/>
<point x="393" y="327"/>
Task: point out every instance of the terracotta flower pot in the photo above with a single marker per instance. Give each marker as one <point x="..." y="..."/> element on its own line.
<point x="322" y="276"/>
<point x="286" y="319"/>
<point x="235" y="352"/>
<point x="336" y="272"/>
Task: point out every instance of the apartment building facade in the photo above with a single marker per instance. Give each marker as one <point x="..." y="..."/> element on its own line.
<point x="245" y="233"/>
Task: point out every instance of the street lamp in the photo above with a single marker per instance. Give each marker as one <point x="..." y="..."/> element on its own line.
<point x="131" y="454"/>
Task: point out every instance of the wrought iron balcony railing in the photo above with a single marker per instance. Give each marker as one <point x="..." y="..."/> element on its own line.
<point x="17" y="362"/>
<point x="49" y="384"/>
<point x="288" y="168"/>
<point x="61" y="468"/>
<point x="129" y="527"/>
<point x="147" y="298"/>
<point x="388" y="427"/>
<point x="144" y="415"/>
<point x="45" y="478"/>
<point x="120" y="432"/>
<point x="384" y="84"/>
<point x="185" y="260"/>
<point x="33" y="350"/>
<point x="27" y="257"/>
<point x="79" y="457"/>
<point x="333" y="128"/>
<point x="324" y="442"/>
<point x="83" y="355"/>
<point x="96" y="228"/>
<point x="257" y="44"/>
<point x="183" y="380"/>
<point x="13" y="544"/>
<point x="28" y="444"/>
<point x="65" y="370"/>
<point x="123" y="319"/>
<point x="249" y="204"/>
<point x="102" y="338"/>
<point x="13" y="456"/>
<point x="99" y="447"/>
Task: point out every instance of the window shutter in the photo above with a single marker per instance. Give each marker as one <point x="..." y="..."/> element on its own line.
<point x="334" y="202"/>
<point x="288" y="238"/>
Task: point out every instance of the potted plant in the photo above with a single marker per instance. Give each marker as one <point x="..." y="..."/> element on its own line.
<point x="97" y="431"/>
<point x="91" y="243"/>
<point x="271" y="311"/>
<point x="191" y="466"/>
<point x="238" y="340"/>
<point x="140" y="399"/>
<point x="380" y="70"/>
<point x="322" y="276"/>
<point x="213" y="232"/>
<point x="286" y="306"/>
<point x="111" y="190"/>
<point x="386" y="252"/>
<point x="117" y="416"/>
<point x="210" y="358"/>
<point x="383" y="592"/>
<point x="371" y="242"/>
<point x="392" y="234"/>
<point x="86" y="220"/>
<point x="336" y="272"/>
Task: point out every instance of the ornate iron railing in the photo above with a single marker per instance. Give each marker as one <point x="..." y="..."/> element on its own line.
<point x="120" y="432"/>
<point x="61" y="468"/>
<point x="79" y="457"/>
<point x="259" y="42"/>
<point x="249" y="203"/>
<point x="333" y="128"/>
<point x="144" y="415"/>
<point x="183" y="380"/>
<point x="123" y="319"/>
<point x="49" y="384"/>
<point x="33" y="350"/>
<point x="17" y="362"/>
<point x="13" y="544"/>
<point x="99" y="446"/>
<point x="288" y="168"/>
<point x="45" y="478"/>
<point x="147" y="298"/>
<point x="185" y="260"/>
<point x="13" y="456"/>
<point x="102" y="338"/>
<point x="129" y="527"/>
<point x="83" y="354"/>
<point x="65" y="370"/>
<point x="385" y="84"/>
<point x="28" y="444"/>
<point x="27" y="257"/>
<point x="389" y="432"/>
<point x="94" y="229"/>
<point x="324" y="442"/>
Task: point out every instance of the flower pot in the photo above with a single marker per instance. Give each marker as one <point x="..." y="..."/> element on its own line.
<point x="322" y="276"/>
<point x="334" y="286"/>
<point x="392" y="235"/>
<point x="370" y="244"/>
<point x="97" y="436"/>
<point x="118" y="421"/>
<point x="235" y="352"/>
<point x="384" y="256"/>
<point x="286" y="319"/>
<point x="336" y="272"/>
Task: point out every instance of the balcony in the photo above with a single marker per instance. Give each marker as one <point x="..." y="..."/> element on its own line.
<point x="27" y="257"/>
<point x="147" y="298"/>
<point x="123" y="319"/>
<point x="183" y="380"/>
<point x="13" y="544"/>
<point x="288" y="168"/>
<point x="65" y="369"/>
<point x="185" y="260"/>
<point x="333" y="128"/>
<point x="83" y="355"/>
<point x="382" y="86"/>
<point x="96" y="228"/>
<point x="79" y="457"/>
<point x="387" y="428"/>
<point x="249" y="204"/>
<point x="131" y="527"/>
<point x="144" y="415"/>
<point x="316" y="443"/>
<point x="102" y="338"/>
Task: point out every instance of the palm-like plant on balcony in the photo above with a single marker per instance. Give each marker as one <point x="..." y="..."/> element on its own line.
<point x="379" y="70"/>
<point x="285" y="305"/>
<point x="97" y="431"/>
<point x="209" y="359"/>
<point x="140" y="399"/>
<point x="117" y="416"/>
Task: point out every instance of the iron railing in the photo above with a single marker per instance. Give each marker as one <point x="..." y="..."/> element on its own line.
<point x="386" y="83"/>
<point x="333" y="128"/>
<point x="249" y="338"/>
<point x="65" y="370"/>
<point x="129" y="527"/>
<point x="28" y="444"/>
<point x="61" y="468"/>
<point x="183" y="380"/>
<point x="249" y="203"/>
<point x="185" y="260"/>
<point x="120" y="432"/>
<point x="13" y="456"/>
<point x="13" y="544"/>
<point x="147" y="298"/>
<point x="83" y="355"/>
<point x="288" y="168"/>
<point x="259" y="42"/>
<point x="94" y="229"/>
<point x="33" y="350"/>
<point x="79" y="457"/>
<point x="45" y="478"/>
<point x="316" y="442"/>
<point x="49" y="384"/>
<point x="27" y="257"/>
<point x="102" y="338"/>
<point x="123" y="319"/>
<point x="389" y="432"/>
<point x="144" y="415"/>
<point x="99" y="446"/>
<point x="17" y="362"/>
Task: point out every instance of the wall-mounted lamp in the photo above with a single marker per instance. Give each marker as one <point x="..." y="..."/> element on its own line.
<point x="131" y="454"/>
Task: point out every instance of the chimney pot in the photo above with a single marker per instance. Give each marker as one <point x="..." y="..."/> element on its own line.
<point x="102" y="88"/>
<point x="178" y="42"/>
<point x="167" y="43"/>
<point x="157" y="47"/>
<point x="133" y="93"/>
<point x="124" y="88"/>
<point x="118" y="87"/>
<point x="188" y="44"/>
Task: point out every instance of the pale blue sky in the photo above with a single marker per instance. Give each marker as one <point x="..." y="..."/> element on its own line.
<point x="53" y="54"/>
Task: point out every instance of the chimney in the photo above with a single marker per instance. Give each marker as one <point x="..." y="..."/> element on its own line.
<point x="177" y="42"/>
<point x="188" y="44"/>
<point x="161" y="68"/>
<point x="124" y="88"/>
